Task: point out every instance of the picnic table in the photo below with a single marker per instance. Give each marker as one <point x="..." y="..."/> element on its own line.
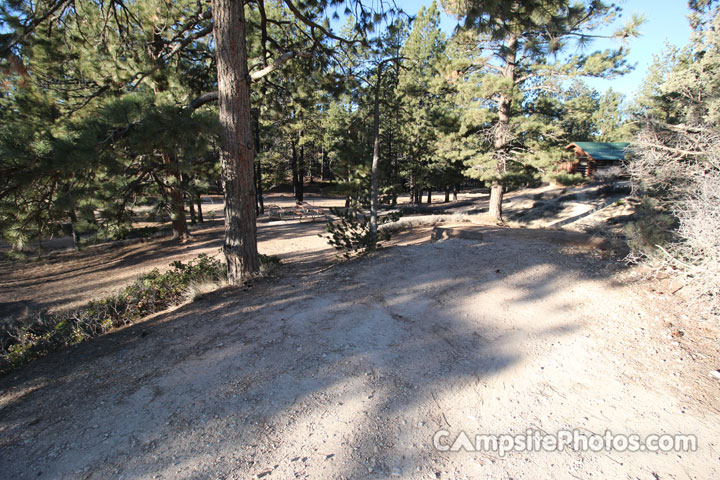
<point x="299" y="211"/>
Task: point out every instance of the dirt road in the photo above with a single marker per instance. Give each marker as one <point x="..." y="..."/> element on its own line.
<point x="349" y="373"/>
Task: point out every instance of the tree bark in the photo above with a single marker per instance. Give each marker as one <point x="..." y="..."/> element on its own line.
<point x="193" y="217"/>
<point x="179" y="221"/>
<point x="300" y="193"/>
<point x="447" y="194"/>
<point x="375" y="169"/>
<point x="236" y="153"/>
<point x="295" y="172"/>
<point x="323" y="160"/>
<point x="429" y="192"/>
<point x="199" y="208"/>
<point x="259" y="202"/>
<point x="259" y="190"/>
<point x="311" y="164"/>
<point x="73" y="228"/>
<point x="502" y="129"/>
<point x="496" y="195"/>
<point x="412" y="188"/>
<point x="177" y="200"/>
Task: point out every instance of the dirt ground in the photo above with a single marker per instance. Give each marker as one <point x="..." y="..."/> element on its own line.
<point x="66" y="278"/>
<point x="72" y="278"/>
<point x="348" y="371"/>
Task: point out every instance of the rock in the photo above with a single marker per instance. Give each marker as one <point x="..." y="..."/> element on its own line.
<point x="439" y="233"/>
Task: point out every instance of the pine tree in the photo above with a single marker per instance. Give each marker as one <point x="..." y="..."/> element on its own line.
<point x="612" y="118"/>
<point x="234" y="78"/>
<point x="87" y="71"/>
<point x="426" y="114"/>
<point x="522" y="48"/>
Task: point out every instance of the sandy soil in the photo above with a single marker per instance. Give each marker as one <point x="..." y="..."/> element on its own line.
<point x="66" y="278"/>
<point x="348" y="373"/>
<point x="72" y="278"/>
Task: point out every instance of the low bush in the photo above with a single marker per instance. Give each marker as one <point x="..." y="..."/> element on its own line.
<point x="569" y="179"/>
<point x="269" y="264"/>
<point x="43" y="332"/>
<point x="351" y="233"/>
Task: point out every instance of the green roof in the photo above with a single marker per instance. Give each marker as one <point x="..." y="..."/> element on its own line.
<point x="604" y="150"/>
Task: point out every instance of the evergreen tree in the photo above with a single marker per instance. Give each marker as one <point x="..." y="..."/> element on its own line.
<point x="522" y="48"/>
<point x="612" y="118"/>
<point x="426" y="112"/>
<point x="231" y="37"/>
<point x="86" y="72"/>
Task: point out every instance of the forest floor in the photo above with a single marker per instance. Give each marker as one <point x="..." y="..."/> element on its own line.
<point x="347" y="370"/>
<point x="65" y="278"/>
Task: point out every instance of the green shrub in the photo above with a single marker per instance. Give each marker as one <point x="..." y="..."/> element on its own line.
<point x="151" y="293"/>
<point x="569" y="179"/>
<point x="269" y="264"/>
<point x="525" y="178"/>
<point x="351" y="233"/>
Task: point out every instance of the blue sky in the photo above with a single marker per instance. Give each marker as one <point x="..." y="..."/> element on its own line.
<point x="666" y="21"/>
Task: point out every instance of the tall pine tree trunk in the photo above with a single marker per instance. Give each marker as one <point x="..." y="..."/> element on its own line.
<point x="179" y="221"/>
<point x="295" y="172"/>
<point x="311" y="164"/>
<point x="258" y="186"/>
<point x="73" y="227"/>
<point x="193" y="217"/>
<point x="177" y="199"/>
<point x="412" y="188"/>
<point x="236" y="153"/>
<point x="375" y="168"/>
<point x="300" y="193"/>
<point x="198" y="201"/>
<point x="502" y="129"/>
<point x="259" y="202"/>
<point x="323" y="160"/>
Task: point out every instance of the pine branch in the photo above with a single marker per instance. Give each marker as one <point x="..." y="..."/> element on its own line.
<point x="312" y="24"/>
<point x="209" y="97"/>
<point x="284" y="58"/>
<point x="17" y="38"/>
<point x="203" y="99"/>
<point x="164" y="58"/>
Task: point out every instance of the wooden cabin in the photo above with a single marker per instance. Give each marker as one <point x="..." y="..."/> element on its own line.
<point x="593" y="156"/>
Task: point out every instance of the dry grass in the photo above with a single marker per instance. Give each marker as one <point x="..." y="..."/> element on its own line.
<point x="197" y="290"/>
